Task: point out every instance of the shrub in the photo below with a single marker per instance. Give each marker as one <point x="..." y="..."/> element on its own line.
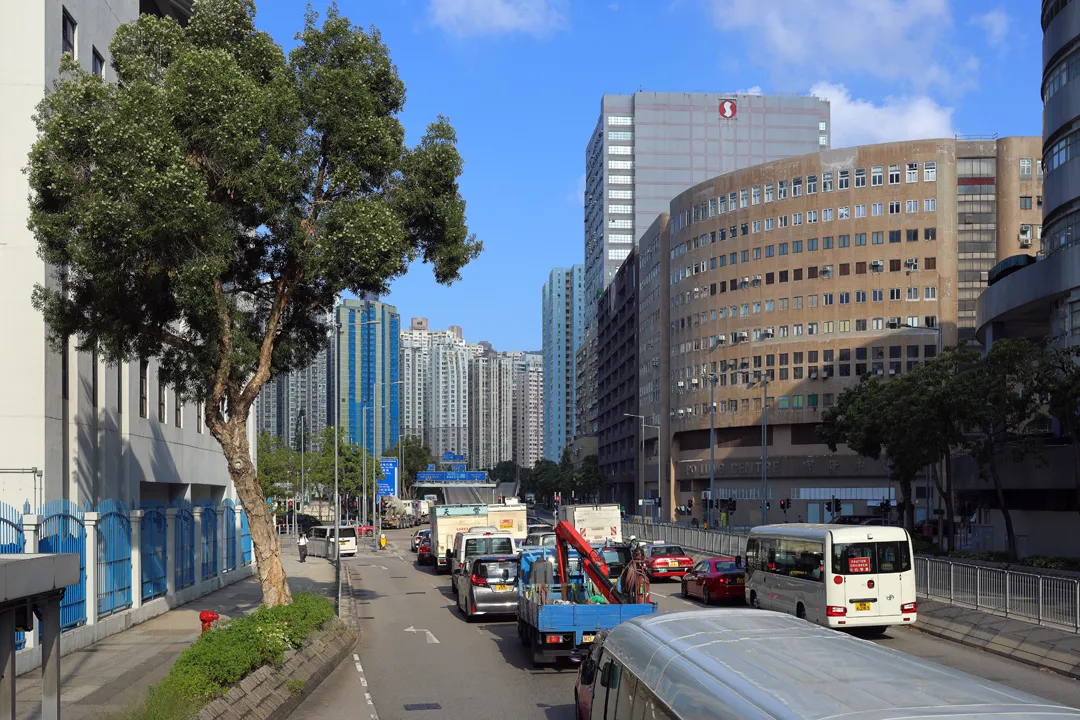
<point x="226" y="655"/>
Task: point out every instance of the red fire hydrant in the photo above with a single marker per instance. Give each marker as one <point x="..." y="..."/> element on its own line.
<point x="208" y="617"/>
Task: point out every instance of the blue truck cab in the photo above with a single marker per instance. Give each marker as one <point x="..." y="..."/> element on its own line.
<point x="555" y="624"/>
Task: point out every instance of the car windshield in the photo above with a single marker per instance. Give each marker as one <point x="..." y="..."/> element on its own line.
<point x="725" y="566"/>
<point x="497" y="570"/>
<point x="489" y="546"/>
<point x="871" y="558"/>
<point x="615" y="556"/>
<point x="665" y="550"/>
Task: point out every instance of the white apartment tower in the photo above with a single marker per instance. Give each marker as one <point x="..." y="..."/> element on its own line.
<point x="435" y="371"/>
<point x="72" y="426"/>
<point x="491" y="409"/>
<point x="528" y="426"/>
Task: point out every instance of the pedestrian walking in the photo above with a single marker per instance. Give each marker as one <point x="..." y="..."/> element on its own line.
<point x="301" y="542"/>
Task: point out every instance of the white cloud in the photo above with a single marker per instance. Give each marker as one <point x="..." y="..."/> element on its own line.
<point x="897" y="40"/>
<point x="861" y="122"/>
<point x="498" y="17"/>
<point x="995" y="23"/>
<point x="755" y="90"/>
<point x="578" y="196"/>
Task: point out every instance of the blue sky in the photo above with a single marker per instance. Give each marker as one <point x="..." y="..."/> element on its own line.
<point x="521" y="81"/>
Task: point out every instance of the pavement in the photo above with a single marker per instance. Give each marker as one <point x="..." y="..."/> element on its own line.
<point x="418" y="658"/>
<point x="112" y="675"/>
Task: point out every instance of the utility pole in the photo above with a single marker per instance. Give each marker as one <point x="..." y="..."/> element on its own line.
<point x="710" y="512"/>
<point x="337" y="434"/>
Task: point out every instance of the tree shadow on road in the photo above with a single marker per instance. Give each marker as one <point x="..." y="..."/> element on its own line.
<point x="558" y="712"/>
<point x="519" y="656"/>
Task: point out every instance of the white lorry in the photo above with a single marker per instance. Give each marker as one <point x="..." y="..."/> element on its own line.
<point x="421" y="508"/>
<point x="446" y="522"/>
<point x="597" y="524"/>
<point x="512" y="517"/>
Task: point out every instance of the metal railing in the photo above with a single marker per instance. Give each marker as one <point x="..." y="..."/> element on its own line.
<point x="1050" y="600"/>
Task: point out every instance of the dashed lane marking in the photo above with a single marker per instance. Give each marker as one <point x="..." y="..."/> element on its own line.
<point x="363" y="683"/>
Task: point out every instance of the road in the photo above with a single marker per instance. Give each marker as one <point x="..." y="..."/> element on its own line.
<point x="419" y="658"/>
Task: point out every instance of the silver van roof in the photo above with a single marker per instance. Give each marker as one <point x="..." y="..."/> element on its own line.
<point x="759" y="664"/>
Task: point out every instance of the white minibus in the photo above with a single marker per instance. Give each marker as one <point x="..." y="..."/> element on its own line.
<point x="840" y="576"/>
<point x="737" y="664"/>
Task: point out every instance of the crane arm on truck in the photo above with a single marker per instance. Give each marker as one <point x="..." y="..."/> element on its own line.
<point x="591" y="561"/>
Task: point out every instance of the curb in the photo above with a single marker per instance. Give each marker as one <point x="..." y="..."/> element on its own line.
<point x="267" y="693"/>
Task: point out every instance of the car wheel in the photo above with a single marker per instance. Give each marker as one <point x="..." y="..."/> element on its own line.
<point x="876" y="630"/>
<point x="705" y="595"/>
<point x="800" y="611"/>
<point x="685" y="594"/>
<point x="754" y="602"/>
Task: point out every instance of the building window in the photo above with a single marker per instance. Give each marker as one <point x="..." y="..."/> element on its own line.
<point x="178" y="410"/>
<point x="782" y="221"/>
<point x="860" y="239"/>
<point x="161" y="401"/>
<point x="929" y="233"/>
<point x="827" y="242"/>
<point x="620" y="150"/>
<point x="876" y="176"/>
<point x="894" y="207"/>
<point x="744" y="198"/>
<point x="860" y="177"/>
<point x="1025" y="202"/>
<point x="894" y="294"/>
<point x="860" y="296"/>
<point x="877" y="238"/>
<point x="894" y="236"/>
<point x="913" y="235"/>
<point x="877" y="296"/>
<point x="781" y="189"/>
<point x="756" y="196"/>
<point x="930" y="263"/>
<point x="757" y="226"/>
<point x="877" y="209"/>
<point x="144" y="389"/>
<point x="796" y="187"/>
<point x="811" y="184"/>
<point x="1025" y="168"/>
<point x="894" y="265"/>
<point x="811" y="216"/>
<point x="770" y="223"/>
<point x="894" y="174"/>
<point x="912" y="293"/>
<point x="97" y="63"/>
<point x="860" y="211"/>
<point x="119" y="388"/>
<point x="198" y="417"/>
<point x="843" y="213"/>
<point x="826" y="182"/>
<point x="930" y="171"/>
<point x="843" y="181"/>
<point x="930" y="293"/>
<point x="620" y="164"/>
<point x="769" y="193"/>
<point x="912" y="206"/>
<point x="68" y="35"/>
<point x="827" y="215"/>
<point x="796" y="218"/>
<point x="619" y="120"/>
<point x="930" y="205"/>
<point x="912" y="173"/>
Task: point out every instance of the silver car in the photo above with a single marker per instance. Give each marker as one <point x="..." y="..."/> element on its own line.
<point x="488" y="586"/>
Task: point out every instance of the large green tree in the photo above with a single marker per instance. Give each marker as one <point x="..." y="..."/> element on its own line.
<point x="277" y="466"/>
<point x="415" y="457"/>
<point x="209" y="206"/>
<point x="1058" y="381"/>
<point x="353" y="465"/>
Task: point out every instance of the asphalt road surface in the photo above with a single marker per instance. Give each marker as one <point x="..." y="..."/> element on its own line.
<point x="418" y="658"/>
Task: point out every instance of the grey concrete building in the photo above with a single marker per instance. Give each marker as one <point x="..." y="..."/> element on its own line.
<point x="563" y="307"/>
<point x="297" y="405"/>
<point x="647" y="147"/>
<point x="528" y="425"/>
<point x="619" y="436"/>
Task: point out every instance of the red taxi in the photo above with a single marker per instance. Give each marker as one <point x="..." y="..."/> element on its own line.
<point x="715" y="579"/>
<point x="666" y="561"/>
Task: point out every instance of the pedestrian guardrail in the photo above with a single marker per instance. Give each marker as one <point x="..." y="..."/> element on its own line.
<point x="127" y="556"/>
<point x="1034" y="597"/>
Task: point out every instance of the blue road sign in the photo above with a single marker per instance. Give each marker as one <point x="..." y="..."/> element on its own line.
<point x="450" y="477"/>
<point x="452" y="457"/>
<point x="430" y="468"/>
<point x="458" y="467"/>
<point x="388" y="485"/>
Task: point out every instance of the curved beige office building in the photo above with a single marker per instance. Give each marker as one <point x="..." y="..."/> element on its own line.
<point x="811" y="272"/>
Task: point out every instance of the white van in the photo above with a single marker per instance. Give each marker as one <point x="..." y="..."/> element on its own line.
<point x="321" y="541"/>
<point x="839" y="576"/>
<point x="477" y="543"/>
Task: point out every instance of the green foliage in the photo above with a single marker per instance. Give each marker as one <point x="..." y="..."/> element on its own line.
<point x="416" y="456"/>
<point x="223" y="657"/>
<point x="278" y="466"/>
<point x="209" y="207"/>
<point x="353" y="461"/>
<point x="504" y="472"/>
<point x="295" y="686"/>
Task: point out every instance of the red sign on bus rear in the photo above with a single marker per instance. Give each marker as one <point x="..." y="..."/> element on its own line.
<point x="858" y="565"/>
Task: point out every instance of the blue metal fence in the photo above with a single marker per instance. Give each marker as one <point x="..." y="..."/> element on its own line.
<point x="185" y="544"/>
<point x="153" y="543"/>
<point x="209" y="533"/>
<point x="63" y="531"/>
<point x="229" y="509"/>
<point x="12" y="541"/>
<point x="113" y="557"/>
<point x="245" y="538"/>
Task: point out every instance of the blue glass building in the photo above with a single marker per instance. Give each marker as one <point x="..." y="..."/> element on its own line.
<point x="368" y="372"/>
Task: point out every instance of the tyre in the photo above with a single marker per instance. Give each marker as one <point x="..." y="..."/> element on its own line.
<point x="800" y="611"/>
<point x="876" y="630"/>
<point x="754" y="602"/>
<point x="538" y="659"/>
<point x="685" y="594"/>
<point x="705" y="596"/>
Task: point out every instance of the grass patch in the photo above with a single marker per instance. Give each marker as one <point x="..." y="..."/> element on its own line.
<point x="223" y="657"/>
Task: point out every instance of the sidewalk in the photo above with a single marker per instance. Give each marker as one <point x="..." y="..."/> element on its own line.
<point x="115" y="674"/>
<point x="1038" y="645"/>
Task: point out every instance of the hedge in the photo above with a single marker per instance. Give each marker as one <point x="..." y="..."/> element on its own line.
<point x="224" y="656"/>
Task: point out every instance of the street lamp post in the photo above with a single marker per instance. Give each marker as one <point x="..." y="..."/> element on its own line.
<point x="764" y="381"/>
<point x="929" y="468"/>
<point x="711" y="512"/>
<point x="337" y="497"/>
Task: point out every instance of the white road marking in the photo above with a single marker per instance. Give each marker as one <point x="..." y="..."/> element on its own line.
<point x="431" y="639"/>
<point x="363" y="683"/>
<point x="367" y="696"/>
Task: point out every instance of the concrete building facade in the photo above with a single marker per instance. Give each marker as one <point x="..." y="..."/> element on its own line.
<point x="528" y="425"/>
<point x="491" y="409"/>
<point x="787" y="282"/>
<point x="297" y="405"/>
<point x="585" y="386"/>
<point x="367" y="357"/>
<point x="435" y="371"/>
<point x="72" y="426"/>
<point x="647" y="147"/>
<point x="563" y="307"/>
<point x="619" y="436"/>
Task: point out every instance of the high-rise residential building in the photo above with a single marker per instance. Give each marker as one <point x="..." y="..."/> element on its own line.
<point x="528" y="425"/>
<point x="296" y="405"/>
<point x="491" y="409"/>
<point x="367" y="356"/>
<point x="72" y="426"/>
<point x="648" y="147"/>
<point x="780" y="285"/>
<point x="619" y="433"/>
<point x="563" y="301"/>
<point x="435" y="371"/>
<point x="585" y="395"/>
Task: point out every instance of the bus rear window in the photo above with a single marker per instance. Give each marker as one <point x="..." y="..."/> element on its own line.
<point x="871" y="558"/>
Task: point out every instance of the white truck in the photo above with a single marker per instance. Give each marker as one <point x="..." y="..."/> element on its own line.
<point x="447" y="521"/>
<point x="421" y="508"/>
<point x="597" y="524"/>
<point x="512" y="517"/>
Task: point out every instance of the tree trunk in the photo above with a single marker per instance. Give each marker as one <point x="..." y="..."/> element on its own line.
<point x="909" y="507"/>
<point x="1010" y="532"/>
<point x="950" y="512"/>
<point x="264" y="540"/>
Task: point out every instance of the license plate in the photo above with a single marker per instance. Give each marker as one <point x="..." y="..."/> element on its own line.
<point x="502" y="588"/>
<point x="587" y="638"/>
<point x="673" y="564"/>
<point x="862" y="606"/>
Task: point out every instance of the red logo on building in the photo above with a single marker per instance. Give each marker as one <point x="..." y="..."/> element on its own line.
<point x="728" y="109"/>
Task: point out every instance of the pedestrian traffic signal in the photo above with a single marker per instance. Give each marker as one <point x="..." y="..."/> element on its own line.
<point x="768" y="505"/>
<point x="690" y="503"/>
<point x="784" y="505"/>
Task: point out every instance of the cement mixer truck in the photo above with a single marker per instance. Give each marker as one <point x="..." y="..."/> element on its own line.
<point x="398" y="514"/>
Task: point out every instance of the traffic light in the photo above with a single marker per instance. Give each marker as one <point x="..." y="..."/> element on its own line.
<point x="784" y="505"/>
<point x="690" y="503"/>
<point x="290" y="505"/>
<point x="768" y="505"/>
